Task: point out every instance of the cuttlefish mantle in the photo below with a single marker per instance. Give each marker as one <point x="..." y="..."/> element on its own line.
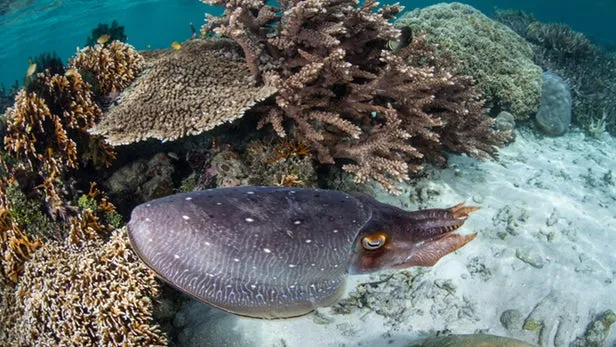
<point x="277" y="252"/>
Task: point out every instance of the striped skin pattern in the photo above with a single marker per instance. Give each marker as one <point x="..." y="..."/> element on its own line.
<point x="275" y="252"/>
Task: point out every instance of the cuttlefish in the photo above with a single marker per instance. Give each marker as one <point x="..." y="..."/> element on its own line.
<point x="278" y="252"/>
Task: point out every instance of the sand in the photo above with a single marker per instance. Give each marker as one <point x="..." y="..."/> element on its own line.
<point x="545" y="254"/>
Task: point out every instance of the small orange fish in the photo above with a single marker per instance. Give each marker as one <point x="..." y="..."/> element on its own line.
<point x="31" y="68"/>
<point x="103" y="39"/>
<point x="176" y="45"/>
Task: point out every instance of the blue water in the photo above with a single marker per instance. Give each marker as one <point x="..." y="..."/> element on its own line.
<point x="34" y="27"/>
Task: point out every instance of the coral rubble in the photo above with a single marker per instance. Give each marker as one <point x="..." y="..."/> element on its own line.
<point x="183" y="92"/>
<point x="94" y="294"/>
<point x="342" y="91"/>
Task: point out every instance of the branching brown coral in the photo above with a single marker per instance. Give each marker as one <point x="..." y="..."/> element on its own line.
<point x="347" y="95"/>
<point x="47" y="137"/>
<point x="16" y="247"/>
<point x="184" y="92"/>
<point x="94" y="294"/>
<point x="114" y="66"/>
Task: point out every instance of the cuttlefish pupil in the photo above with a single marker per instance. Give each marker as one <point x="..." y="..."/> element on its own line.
<point x="276" y="252"/>
<point x="373" y="242"/>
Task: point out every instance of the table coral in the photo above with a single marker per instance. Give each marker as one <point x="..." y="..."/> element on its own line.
<point x="183" y="92"/>
<point x="94" y="294"/>
<point x="498" y="59"/>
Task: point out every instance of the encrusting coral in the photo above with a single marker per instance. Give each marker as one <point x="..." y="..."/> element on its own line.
<point x="347" y="95"/>
<point x="183" y="92"/>
<point x="113" y="66"/>
<point x="94" y="294"/>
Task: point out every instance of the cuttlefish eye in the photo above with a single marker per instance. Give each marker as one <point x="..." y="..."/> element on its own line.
<point x="374" y="241"/>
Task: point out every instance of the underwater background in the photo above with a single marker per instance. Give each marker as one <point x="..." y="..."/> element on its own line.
<point x="29" y="28"/>
<point x="495" y="112"/>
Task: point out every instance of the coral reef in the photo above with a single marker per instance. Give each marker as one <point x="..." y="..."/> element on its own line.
<point x="282" y="163"/>
<point x="45" y="62"/>
<point x="183" y="92"/>
<point x="7" y="98"/>
<point x="115" y="32"/>
<point x="347" y="96"/>
<point x="113" y="66"/>
<point x="16" y="247"/>
<point x="590" y="71"/>
<point x="141" y="180"/>
<point x="498" y="59"/>
<point x="46" y="138"/>
<point x="94" y="294"/>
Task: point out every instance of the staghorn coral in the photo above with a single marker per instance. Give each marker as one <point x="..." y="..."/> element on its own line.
<point x="113" y="66"/>
<point x="183" y="92"/>
<point x="94" y="294"/>
<point x="498" y="59"/>
<point x="342" y="92"/>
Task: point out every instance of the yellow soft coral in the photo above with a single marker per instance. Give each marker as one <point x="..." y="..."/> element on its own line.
<point x="114" y="66"/>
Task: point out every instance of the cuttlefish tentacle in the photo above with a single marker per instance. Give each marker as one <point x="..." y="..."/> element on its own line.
<point x="436" y="231"/>
<point x="434" y="224"/>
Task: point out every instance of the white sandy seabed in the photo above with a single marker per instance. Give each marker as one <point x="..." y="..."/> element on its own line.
<point x="545" y="254"/>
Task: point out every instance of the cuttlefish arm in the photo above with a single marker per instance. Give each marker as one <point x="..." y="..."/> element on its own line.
<point x="397" y="239"/>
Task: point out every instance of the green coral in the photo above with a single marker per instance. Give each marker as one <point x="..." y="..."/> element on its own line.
<point x="532" y="325"/>
<point x="27" y="212"/>
<point x="188" y="184"/>
<point x="86" y="202"/>
<point x="499" y="60"/>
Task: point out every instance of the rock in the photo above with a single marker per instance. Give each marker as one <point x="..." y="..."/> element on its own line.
<point x="554" y="114"/>
<point x="512" y="319"/>
<point x="505" y="121"/>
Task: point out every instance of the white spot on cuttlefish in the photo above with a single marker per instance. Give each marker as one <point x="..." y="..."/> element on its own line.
<point x="148" y="219"/>
<point x="185" y="217"/>
<point x="297" y="222"/>
<point x="176" y="256"/>
<point x="308" y="241"/>
<point x="249" y="220"/>
<point x="335" y="231"/>
<point x="189" y="198"/>
<point x="236" y="260"/>
<point x="148" y="205"/>
<point x="250" y="192"/>
<point x="292" y="265"/>
<point x="219" y="203"/>
<point x="267" y="250"/>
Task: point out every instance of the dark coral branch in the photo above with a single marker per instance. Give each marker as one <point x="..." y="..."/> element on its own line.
<point x="348" y="96"/>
